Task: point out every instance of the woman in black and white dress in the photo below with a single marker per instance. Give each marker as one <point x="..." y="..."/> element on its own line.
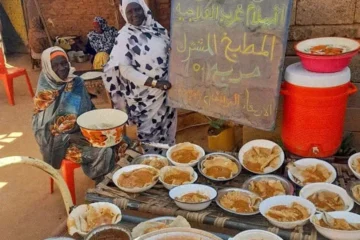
<point x="137" y="75"/>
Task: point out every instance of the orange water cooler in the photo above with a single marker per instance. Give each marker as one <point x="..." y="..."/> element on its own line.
<point x="314" y="110"/>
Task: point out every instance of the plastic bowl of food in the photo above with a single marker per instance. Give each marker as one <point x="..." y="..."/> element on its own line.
<point x="354" y="164"/>
<point x="154" y="160"/>
<point x="270" y="207"/>
<point x="179" y="233"/>
<point x="267" y="186"/>
<point x="256" y="235"/>
<point x="327" y="197"/>
<point x="84" y="218"/>
<point x="306" y="164"/>
<point x="228" y="197"/>
<point x="353" y="190"/>
<point x="328" y="54"/>
<point x="255" y="156"/>
<point x="173" y="176"/>
<point x="103" y="127"/>
<point x="136" y="178"/>
<point x="335" y="234"/>
<point x="159" y="223"/>
<point x="193" y="197"/>
<point x="219" y="167"/>
<point x="185" y="154"/>
<point x="110" y="231"/>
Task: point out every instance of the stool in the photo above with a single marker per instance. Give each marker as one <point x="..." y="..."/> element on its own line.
<point x="67" y="171"/>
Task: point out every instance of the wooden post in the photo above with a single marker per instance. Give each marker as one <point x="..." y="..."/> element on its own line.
<point x="43" y="21"/>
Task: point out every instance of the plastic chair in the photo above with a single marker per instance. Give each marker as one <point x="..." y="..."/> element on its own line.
<point x="35" y="59"/>
<point x="7" y="75"/>
<point x="67" y="171"/>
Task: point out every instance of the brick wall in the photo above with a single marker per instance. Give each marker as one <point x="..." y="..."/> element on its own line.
<point x="76" y="17"/>
<point x="310" y="18"/>
<point x="162" y="12"/>
<point x="319" y="18"/>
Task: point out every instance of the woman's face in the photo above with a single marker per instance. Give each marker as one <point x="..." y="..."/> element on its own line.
<point x="97" y="27"/>
<point x="61" y="67"/>
<point x="135" y="14"/>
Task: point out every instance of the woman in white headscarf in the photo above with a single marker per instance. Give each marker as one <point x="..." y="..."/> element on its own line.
<point x="137" y="75"/>
<point x="60" y="98"/>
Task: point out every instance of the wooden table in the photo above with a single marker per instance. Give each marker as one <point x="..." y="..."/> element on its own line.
<point x="156" y="202"/>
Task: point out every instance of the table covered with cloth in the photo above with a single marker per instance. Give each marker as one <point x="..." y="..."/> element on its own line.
<point x="156" y="202"/>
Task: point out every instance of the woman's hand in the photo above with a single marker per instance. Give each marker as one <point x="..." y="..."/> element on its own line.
<point x="163" y="85"/>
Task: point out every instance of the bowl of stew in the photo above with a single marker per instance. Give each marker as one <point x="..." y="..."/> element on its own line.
<point x="327" y="54"/>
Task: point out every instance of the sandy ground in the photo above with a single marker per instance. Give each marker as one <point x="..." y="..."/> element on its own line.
<point x="27" y="209"/>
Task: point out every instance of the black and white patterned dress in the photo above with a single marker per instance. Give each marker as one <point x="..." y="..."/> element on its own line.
<point x="139" y="53"/>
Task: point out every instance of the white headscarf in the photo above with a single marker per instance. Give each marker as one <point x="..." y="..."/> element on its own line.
<point x="47" y="69"/>
<point x="151" y="26"/>
<point x="149" y="19"/>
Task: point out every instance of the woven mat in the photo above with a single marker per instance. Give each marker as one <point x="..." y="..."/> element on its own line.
<point x="156" y="201"/>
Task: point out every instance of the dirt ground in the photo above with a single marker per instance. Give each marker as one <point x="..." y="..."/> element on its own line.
<point x="27" y="209"/>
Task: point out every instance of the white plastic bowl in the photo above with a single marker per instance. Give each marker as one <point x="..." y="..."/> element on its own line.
<point x="180" y="191"/>
<point x="179" y="233"/>
<point x="334" y="234"/>
<point x="351" y="159"/>
<point x="287" y="201"/>
<point x="311" y="162"/>
<point x="80" y="210"/>
<point x="310" y="189"/>
<point x="256" y="235"/>
<point x="349" y="45"/>
<point x="224" y="191"/>
<point x="170" y="186"/>
<point x="103" y="127"/>
<point x="264" y="144"/>
<point x="129" y="169"/>
<point x="191" y="164"/>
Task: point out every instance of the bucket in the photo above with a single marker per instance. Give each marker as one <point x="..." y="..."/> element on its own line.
<point x="314" y="110"/>
<point x="224" y="141"/>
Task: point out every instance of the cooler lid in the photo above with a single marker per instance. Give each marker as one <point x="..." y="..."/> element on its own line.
<point x="297" y="75"/>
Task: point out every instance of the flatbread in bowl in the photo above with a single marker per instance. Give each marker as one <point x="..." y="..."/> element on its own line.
<point x="173" y="176"/>
<point x="261" y="156"/>
<point x="85" y="218"/>
<point x="136" y="178"/>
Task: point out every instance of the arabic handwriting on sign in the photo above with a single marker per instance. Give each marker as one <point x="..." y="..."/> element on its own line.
<point x="251" y="15"/>
<point x="255" y="74"/>
<point x="223" y="101"/>
<point x="196" y="46"/>
<point x="230" y="52"/>
<point x="265" y="111"/>
<point x="231" y="76"/>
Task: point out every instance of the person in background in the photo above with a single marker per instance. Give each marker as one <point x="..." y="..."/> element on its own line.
<point x="38" y="40"/>
<point x="100" y="42"/>
<point x="137" y="75"/>
<point x="60" y="98"/>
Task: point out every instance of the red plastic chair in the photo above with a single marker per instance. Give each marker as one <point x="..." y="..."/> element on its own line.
<point x="7" y="75"/>
<point x="67" y="171"/>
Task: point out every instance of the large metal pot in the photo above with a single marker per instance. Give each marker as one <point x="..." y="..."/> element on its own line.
<point x="109" y="232"/>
